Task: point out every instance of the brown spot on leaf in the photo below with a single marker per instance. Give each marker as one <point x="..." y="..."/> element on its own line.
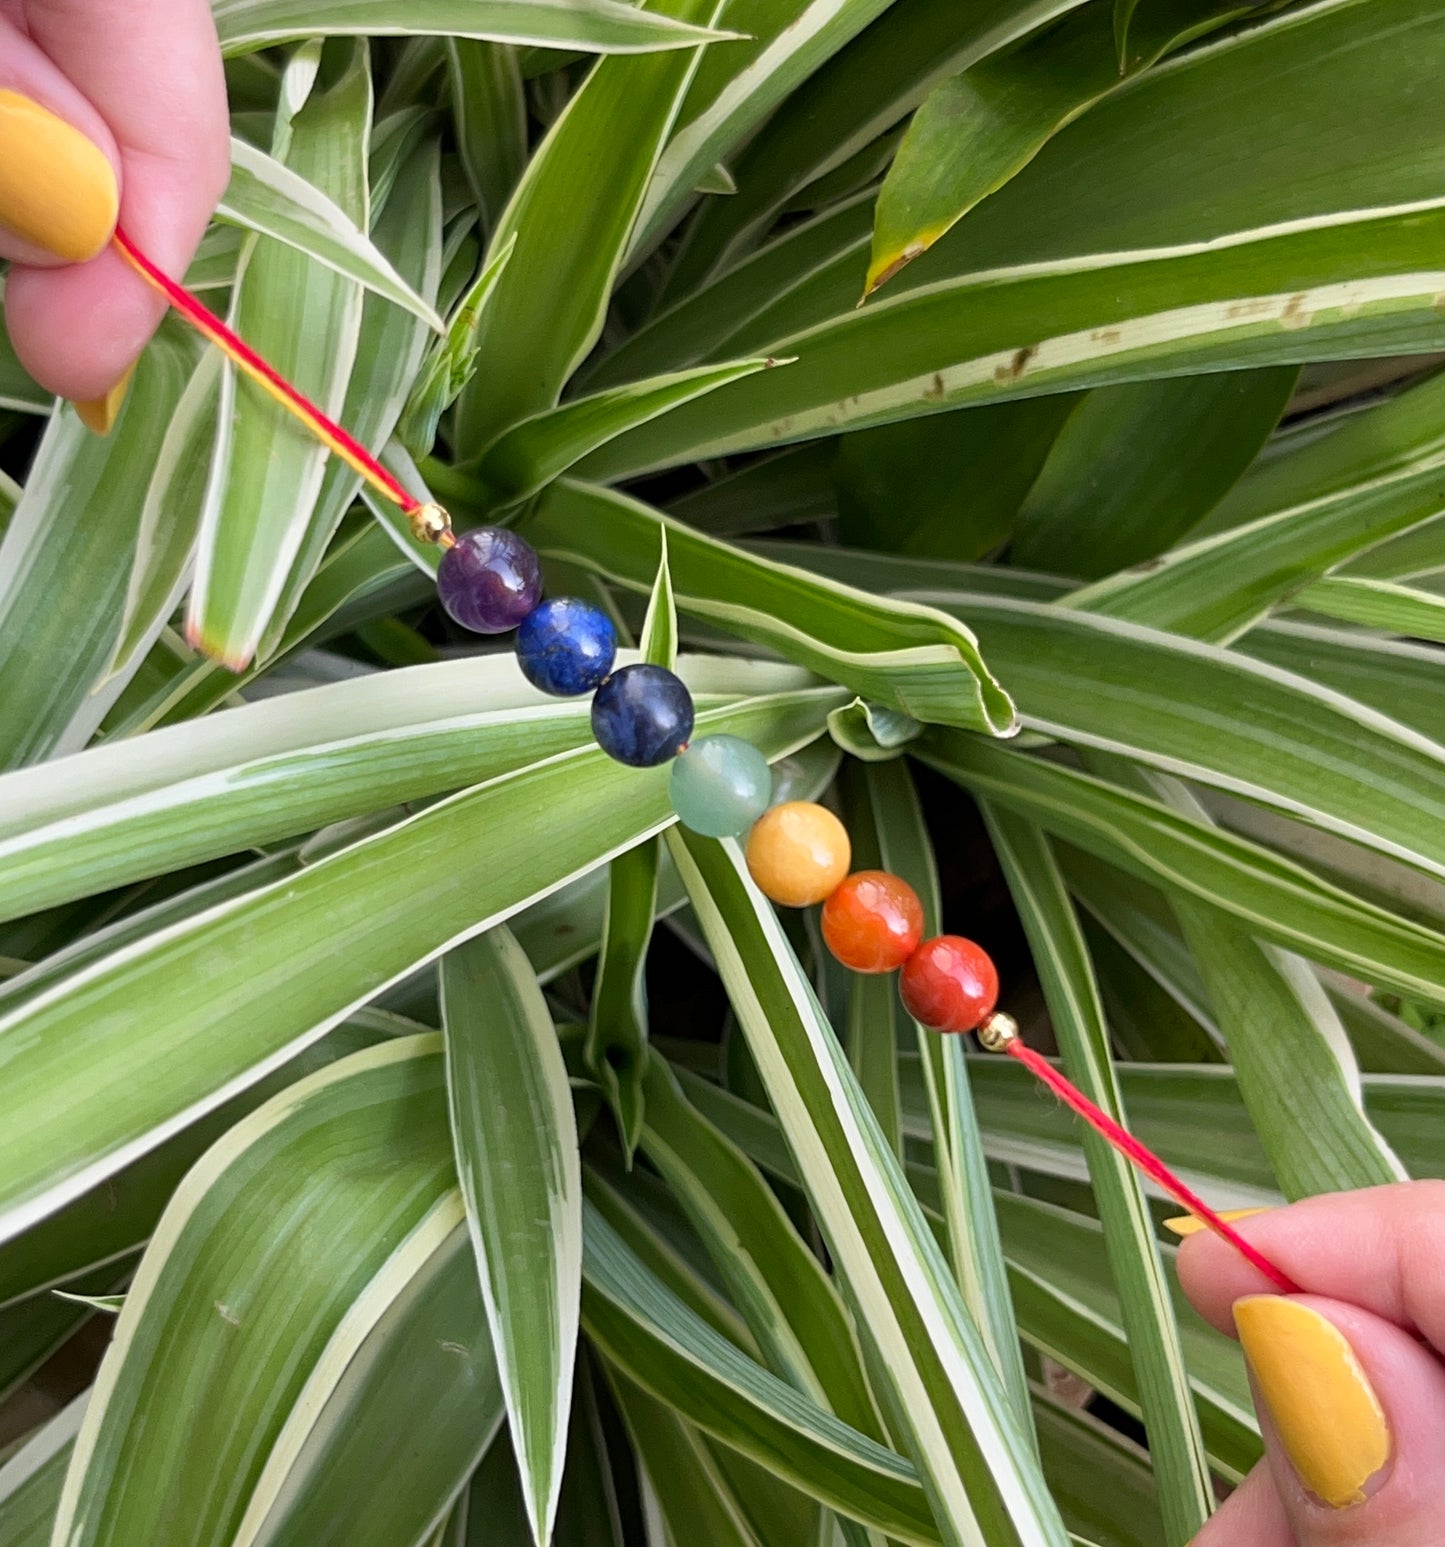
<point x="1017" y="365"/>
<point x="1106" y="335"/>
<point x="935" y="389"/>
<point x="1294" y="314"/>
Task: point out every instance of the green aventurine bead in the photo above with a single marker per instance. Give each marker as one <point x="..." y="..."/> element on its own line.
<point x="720" y="786"/>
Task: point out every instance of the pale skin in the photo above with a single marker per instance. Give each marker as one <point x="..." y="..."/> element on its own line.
<point x="1373" y="1263"/>
<point x="143" y="80"/>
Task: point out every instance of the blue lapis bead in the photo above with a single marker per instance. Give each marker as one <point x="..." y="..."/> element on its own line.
<point x="489" y="580"/>
<point x="566" y="646"/>
<point x="642" y="715"/>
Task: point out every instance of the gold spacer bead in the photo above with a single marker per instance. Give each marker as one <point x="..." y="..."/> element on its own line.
<point x="997" y="1032"/>
<point x="431" y="524"/>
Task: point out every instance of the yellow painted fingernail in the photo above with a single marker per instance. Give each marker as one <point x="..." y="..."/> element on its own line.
<point x="57" y="188"/>
<point x="1185" y="1224"/>
<point x="1321" y="1401"/>
<point x="99" y="414"/>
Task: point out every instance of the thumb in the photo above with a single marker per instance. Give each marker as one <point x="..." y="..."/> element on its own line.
<point x="1352" y="1408"/>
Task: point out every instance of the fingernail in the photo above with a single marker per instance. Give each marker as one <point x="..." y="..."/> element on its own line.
<point x="1185" y="1224"/>
<point x="99" y="414"/>
<point x="57" y="188"/>
<point x="1327" y="1414"/>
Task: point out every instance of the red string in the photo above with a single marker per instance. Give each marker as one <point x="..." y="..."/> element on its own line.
<point x="1146" y="1160"/>
<point x="210" y="326"/>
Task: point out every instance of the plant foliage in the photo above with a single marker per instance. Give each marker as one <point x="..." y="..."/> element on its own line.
<point x="471" y="1155"/>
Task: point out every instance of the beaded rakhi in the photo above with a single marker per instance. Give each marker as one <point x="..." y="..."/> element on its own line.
<point x="489" y="580"/>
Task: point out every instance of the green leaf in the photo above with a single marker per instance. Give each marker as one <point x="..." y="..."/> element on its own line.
<point x="1076" y="1015"/>
<point x="744" y="303"/>
<point x="490" y="111"/>
<point x="249" y="1349"/>
<point x="1173" y="703"/>
<point x="516" y="1146"/>
<point x="948" y="486"/>
<point x="1392" y="676"/>
<point x="641" y="1326"/>
<point x="945" y="1394"/>
<point x="305" y="320"/>
<point x="1137" y="466"/>
<point x="1157" y="258"/>
<point x="279" y="767"/>
<point x="120" y="1213"/>
<point x="1339" y="289"/>
<point x="1224" y="143"/>
<point x="1274" y="898"/>
<point x="1060" y="1274"/>
<point x="736" y="89"/>
<point x="659" y="627"/>
<point x="1284" y="1038"/>
<point x="66" y="556"/>
<point x="1378" y="604"/>
<point x="688" y="1487"/>
<point x="794" y="1311"/>
<point x="603" y="26"/>
<point x="616" y="1050"/>
<point x="270" y="197"/>
<point x="1102" y="1481"/>
<point x="1222" y="584"/>
<point x="404" y="1426"/>
<point x="389" y="350"/>
<point x="977" y="131"/>
<point x="974" y="1251"/>
<point x="30" y="1480"/>
<point x="1192" y="1115"/>
<point x="551" y="303"/>
<point x="531" y="454"/>
<point x="453" y="359"/>
<point x="267" y="969"/>
<point x="170" y="516"/>
<point x="908" y="657"/>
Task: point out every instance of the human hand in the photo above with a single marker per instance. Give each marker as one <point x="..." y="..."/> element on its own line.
<point x="1348" y="1378"/>
<point x="105" y="106"/>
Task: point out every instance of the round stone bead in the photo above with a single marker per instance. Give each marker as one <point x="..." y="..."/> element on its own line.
<point x="873" y="921"/>
<point x="566" y="646"/>
<point x="949" y="984"/>
<point x="489" y="580"/>
<point x="798" y="853"/>
<point x="720" y="786"/>
<point x="642" y="715"/>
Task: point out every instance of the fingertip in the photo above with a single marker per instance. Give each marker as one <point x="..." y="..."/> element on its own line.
<point x="79" y="330"/>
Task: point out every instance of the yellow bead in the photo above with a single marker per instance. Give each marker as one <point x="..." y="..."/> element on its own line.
<point x="798" y="853"/>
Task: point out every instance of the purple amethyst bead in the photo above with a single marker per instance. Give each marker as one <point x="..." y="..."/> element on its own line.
<point x="489" y="580"/>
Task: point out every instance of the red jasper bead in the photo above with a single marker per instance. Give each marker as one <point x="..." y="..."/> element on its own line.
<point x="949" y="984"/>
<point x="873" y="921"/>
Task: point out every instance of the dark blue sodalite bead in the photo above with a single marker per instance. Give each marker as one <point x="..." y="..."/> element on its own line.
<point x="642" y="716"/>
<point x="489" y="580"/>
<point x="566" y="646"/>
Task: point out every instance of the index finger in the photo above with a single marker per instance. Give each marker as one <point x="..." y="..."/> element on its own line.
<point x="1382" y="1248"/>
<point x="152" y="69"/>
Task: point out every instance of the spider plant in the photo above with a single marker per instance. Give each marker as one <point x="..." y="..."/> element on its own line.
<point x="1021" y="420"/>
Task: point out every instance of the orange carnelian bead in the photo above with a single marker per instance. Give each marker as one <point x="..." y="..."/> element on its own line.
<point x="873" y="922"/>
<point x="949" y="983"/>
<point x="798" y="853"/>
